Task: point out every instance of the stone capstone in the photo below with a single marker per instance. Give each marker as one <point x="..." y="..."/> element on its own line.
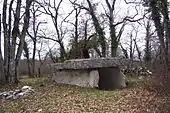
<point x="91" y="63"/>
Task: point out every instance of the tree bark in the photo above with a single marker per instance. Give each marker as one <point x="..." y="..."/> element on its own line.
<point x="165" y="13"/>
<point x="33" y="36"/>
<point x="22" y="38"/>
<point x="2" y="75"/>
<point x="33" y="57"/>
<point x="6" y="46"/>
<point x="54" y="17"/>
<point x="26" y="50"/>
<point x="34" y="39"/>
<point x="76" y="33"/>
<point x="114" y="41"/>
<point x="11" y="52"/>
<point x="98" y="29"/>
<point x="63" y="54"/>
<point x="147" y="57"/>
<point x="155" y="14"/>
<point x="138" y="51"/>
<point x="124" y="51"/>
<point x="15" y="33"/>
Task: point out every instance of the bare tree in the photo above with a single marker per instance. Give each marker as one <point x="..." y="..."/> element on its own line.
<point x="115" y="37"/>
<point x="74" y="52"/>
<point x="85" y="42"/>
<point x="157" y="11"/>
<point x="138" y="50"/>
<point x="11" y="33"/>
<point x="81" y="42"/>
<point x="99" y="30"/>
<point x="52" y="9"/>
<point x="6" y="42"/>
<point x="35" y="26"/>
<point x="125" y="52"/>
<point x="41" y="60"/>
<point x="148" y="47"/>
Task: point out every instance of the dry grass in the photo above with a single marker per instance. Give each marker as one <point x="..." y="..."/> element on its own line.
<point x="54" y="98"/>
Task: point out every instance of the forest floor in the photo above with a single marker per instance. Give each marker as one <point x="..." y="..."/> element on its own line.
<point x="50" y="97"/>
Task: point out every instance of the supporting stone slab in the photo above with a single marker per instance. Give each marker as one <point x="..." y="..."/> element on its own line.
<point x="83" y="78"/>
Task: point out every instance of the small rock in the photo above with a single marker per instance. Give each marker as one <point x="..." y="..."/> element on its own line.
<point x="17" y="91"/>
<point x="1" y="94"/>
<point x="140" y="78"/>
<point x="15" y="97"/>
<point x="16" y="94"/>
<point x="9" y="97"/>
<point x="26" y="88"/>
<point x="40" y="110"/>
<point x="5" y="94"/>
<point x="11" y="92"/>
<point x="21" y="94"/>
<point x="41" y="85"/>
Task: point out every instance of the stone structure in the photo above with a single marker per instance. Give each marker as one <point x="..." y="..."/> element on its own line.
<point x="103" y="73"/>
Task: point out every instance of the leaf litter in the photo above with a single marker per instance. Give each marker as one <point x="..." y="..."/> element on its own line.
<point x="57" y="98"/>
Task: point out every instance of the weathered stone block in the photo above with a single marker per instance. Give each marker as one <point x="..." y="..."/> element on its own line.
<point x="84" y="78"/>
<point x="90" y="63"/>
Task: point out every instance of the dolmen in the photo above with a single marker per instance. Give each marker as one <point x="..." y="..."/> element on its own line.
<point x="102" y="73"/>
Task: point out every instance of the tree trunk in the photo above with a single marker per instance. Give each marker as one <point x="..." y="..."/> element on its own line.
<point x="21" y="43"/>
<point x="138" y="51"/>
<point x="165" y="13"/>
<point x="33" y="58"/>
<point x="114" y="51"/>
<point x="11" y="47"/>
<point x="29" y="69"/>
<point x="6" y="54"/>
<point x="76" y="34"/>
<point x="11" y="60"/>
<point x="2" y="75"/>
<point x="124" y="51"/>
<point x="147" y="57"/>
<point x="26" y="50"/>
<point x="160" y="31"/>
<point x="39" y="71"/>
<point x="98" y="29"/>
<point x="15" y="33"/>
<point x="34" y="39"/>
<point x="114" y="43"/>
<point x="114" y="38"/>
<point x="63" y="54"/>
